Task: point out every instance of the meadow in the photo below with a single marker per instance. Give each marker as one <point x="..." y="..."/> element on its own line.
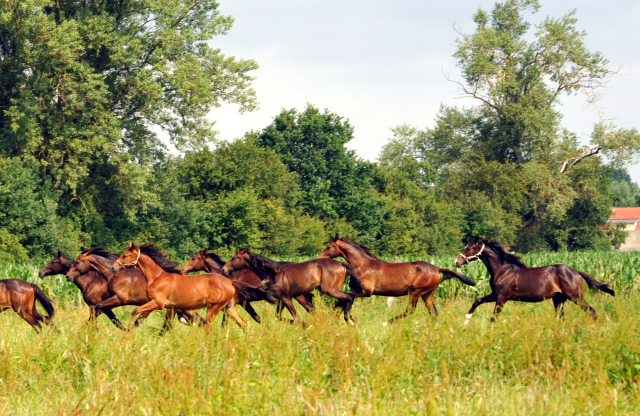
<point x="528" y="362"/>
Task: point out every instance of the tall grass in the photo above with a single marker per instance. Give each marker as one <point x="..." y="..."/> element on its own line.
<point x="526" y="363"/>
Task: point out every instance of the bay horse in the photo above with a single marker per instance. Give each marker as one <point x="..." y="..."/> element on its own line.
<point x="511" y="279"/>
<point x="128" y="287"/>
<point x="21" y="296"/>
<point x="92" y="285"/>
<point x="418" y="279"/>
<point x="212" y="263"/>
<point x="168" y="288"/>
<point x="288" y="279"/>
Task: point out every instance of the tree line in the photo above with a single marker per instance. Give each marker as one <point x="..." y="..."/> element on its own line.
<point x="86" y="86"/>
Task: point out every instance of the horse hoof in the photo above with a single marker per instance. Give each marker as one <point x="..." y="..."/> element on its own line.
<point x="385" y="323"/>
<point x="183" y="321"/>
<point x="351" y="322"/>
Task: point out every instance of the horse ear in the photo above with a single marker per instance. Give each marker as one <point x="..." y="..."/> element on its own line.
<point x="336" y="237"/>
<point x="130" y="244"/>
<point x="59" y="254"/>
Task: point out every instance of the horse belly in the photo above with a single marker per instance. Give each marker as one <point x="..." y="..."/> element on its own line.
<point x="186" y="299"/>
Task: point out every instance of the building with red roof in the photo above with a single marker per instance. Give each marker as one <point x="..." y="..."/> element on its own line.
<point x="629" y="216"/>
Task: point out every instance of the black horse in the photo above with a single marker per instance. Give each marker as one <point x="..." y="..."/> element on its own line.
<point x="513" y="280"/>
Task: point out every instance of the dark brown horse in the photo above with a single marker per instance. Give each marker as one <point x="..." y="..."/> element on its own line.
<point x="513" y="280"/>
<point x="168" y="288"/>
<point x="418" y="279"/>
<point x="92" y="285"/>
<point x="21" y="296"/>
<point x="288" y="280"/>
<point x="128" y="287"/>
<point x="212" y="263"/>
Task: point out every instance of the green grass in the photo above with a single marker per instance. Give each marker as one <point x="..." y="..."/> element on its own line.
<point x="526" y="363"/>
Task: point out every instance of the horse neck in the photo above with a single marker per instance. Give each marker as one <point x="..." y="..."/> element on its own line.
<point x="103" y="266"/>
<point x="491" y="261"/>
<point x="150" y="269"/>
<point x="67" y="263"/>
<point x="261" y="268"/>
<point x="211" y="265"/>
<point x="355" y="257"/>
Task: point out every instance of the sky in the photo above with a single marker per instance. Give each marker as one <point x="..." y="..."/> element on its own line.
<point x="380" y="63"/>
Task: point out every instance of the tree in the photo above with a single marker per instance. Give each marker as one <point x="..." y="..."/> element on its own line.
<point x="84" y="81"/>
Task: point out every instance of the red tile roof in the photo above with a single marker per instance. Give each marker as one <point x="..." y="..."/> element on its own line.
<point x="625" y="213"/>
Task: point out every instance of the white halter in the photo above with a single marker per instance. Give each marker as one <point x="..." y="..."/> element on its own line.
<point x="133" y="264"/>
<point x="475" y="256"/>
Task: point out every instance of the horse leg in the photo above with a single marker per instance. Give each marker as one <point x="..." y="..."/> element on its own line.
<point x="189" y="317"/>
<point x="586" y="307"/>
<point x="168" y="317"/>
<point x="252" y="312"/>
<point x="231" y="310"/>
<point x="413" y="301"/>
<point x="431" y="306"/>
<point x="306" y="301"/>
<point x="105" y="307"/>
<point x="279" y="308"/>
<point x="212" y="311"/>
<point x="289" y="305"/>
<point x="147" y="307"/>
<point x="499" y="305"/>
<point x="558" y="304"/>
<point x="27" y="316"/>
<point x="492" y="297"/>
<point x="141" y="318"/>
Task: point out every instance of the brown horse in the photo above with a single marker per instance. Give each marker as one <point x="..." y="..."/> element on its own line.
<point x="92" y="285"/>
<point x="513" y="280"/>
<point x="419" y="279"/>
<point x="128" y="287"/>
<point x="21" y="296"/>
<point x="287" y="279"/>
<point x="168" y="288"/>
<point x="212" y="263"/>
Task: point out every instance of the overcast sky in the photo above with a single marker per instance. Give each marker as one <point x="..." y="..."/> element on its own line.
<point x="384" y="63"/>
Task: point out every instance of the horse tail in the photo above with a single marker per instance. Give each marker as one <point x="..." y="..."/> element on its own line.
<point x="248" y="293"/>
<point x="594" y="284"/>
<point x="448" y="274"/>
<point x="46" y="303"/>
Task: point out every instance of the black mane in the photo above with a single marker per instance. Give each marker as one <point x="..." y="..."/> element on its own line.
<point x="366" y="250"/>
<point x="264" y="263"/>
<point x="101" y="252"/>
<point x="159" y="257"/>
<point x="502" y="253"/>
<point x="213" y="256"/>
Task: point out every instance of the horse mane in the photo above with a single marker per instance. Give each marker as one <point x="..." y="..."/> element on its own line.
<point x="502" y="253"/>
<point x="100" y="252"/>
<point x="366" y="250"/>
<point x="213" y="256"/>
<point x="263" y="261"/>
<point x="159" y="257"/>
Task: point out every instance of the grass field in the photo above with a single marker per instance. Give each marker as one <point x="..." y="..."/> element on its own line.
<point x="526" y="363"/>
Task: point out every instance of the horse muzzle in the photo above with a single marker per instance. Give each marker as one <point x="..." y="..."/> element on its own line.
<point x="116" y="269"/>
<point x="71" y="276"/>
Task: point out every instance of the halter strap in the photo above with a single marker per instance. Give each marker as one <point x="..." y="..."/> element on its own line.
<point x="475" y="256"/>
<point x="132" y="264"/>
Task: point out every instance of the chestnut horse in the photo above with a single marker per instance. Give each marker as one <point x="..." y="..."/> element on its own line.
<point x="513" y="280"/>
<point x="168" y="287"/>
<point x="21" y="296"/>
<point x="92" y="285"/>
<point x="287" y="279"/>
<point x="418" y="279"/>
<point x="212" y="263"/>
<point x="128" y="287"/>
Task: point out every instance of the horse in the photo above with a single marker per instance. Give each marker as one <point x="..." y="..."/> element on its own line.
<point x="128" y="287"/>
<point x="511" y="279"/>
<point x="168" y="288"/>
<point x="287" y="279"/>
<point x="92" y="285"/>
<point x="419" y="279"/>
<point x="212" y="263"/>
<point x="21" y="296"/>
